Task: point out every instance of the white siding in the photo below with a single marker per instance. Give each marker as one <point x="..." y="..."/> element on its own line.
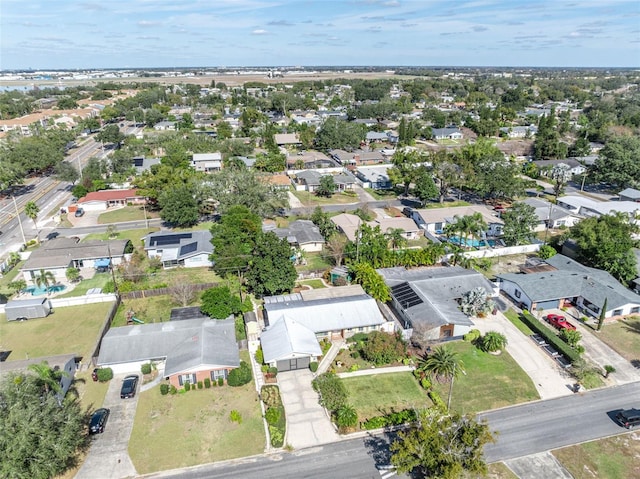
<point x="513" y="290"/>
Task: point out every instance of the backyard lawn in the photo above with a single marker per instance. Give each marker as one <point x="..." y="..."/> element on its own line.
<point x="128" y="213"/>
<point x="80" y="289"/>
<point x="377" y="394"/>
<point x="192" y="428"/>
<point x="624" y="337"/>
<point x="313" y="283"/>
<point x="613" y="457"/>
<point x="135" y="236"/>
<point x="490" y="381"/>
<point x="73" y="329"/>
<point x="153" y="309"/>
<point x="315" y="261"/>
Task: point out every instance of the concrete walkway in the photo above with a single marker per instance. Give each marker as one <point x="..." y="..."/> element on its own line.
<point x="600" y="354"/>
<point x="294" y="202"/>
<point x="538" y="466"/>
<point x="307" y="422"/>
<point x="328" y="358"/>
<point x="363" y="195"/>
<point x="549" y="379"/>
<point x="372" y="371"/>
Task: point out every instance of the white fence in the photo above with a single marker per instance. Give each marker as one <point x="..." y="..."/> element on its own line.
<point x="495" y="252"/>
<point x="77" y="301"/>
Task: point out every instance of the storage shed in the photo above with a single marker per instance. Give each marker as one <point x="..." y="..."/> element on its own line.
<point x="27" y="309"/>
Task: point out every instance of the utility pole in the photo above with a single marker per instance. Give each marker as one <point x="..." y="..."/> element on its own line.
<point x="24" y="240"/>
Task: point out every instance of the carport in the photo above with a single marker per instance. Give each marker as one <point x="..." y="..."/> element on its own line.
<point x="288" y="345"/>
<point x="293" y="364"/>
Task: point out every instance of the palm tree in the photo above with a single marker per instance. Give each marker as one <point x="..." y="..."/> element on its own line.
<point x="48" y="377"/>
<point x="396" y="238"/>
<point x="494" y="341"/>
<point x="45" y="279"/>
<point x="443" y="364"/>
<point x="31" y="209"/>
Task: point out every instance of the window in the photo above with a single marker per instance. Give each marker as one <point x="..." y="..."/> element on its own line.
<point x="517" y="293"/>
<point x="183" y="378"/>
<point x="617" y="312"/>
<point x="218" y="373"/>
<point x="635" y="310"/>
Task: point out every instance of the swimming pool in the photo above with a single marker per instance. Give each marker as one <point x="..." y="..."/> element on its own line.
<point x="471" y="242"/>
<point x="39" y="290"/>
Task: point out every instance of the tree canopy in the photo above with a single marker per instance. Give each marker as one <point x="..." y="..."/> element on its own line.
<point x="619" y="162"/>
<point x="179" y="207"/>
<point x="234" y="240"/>
<point x="220" y="303"/>
<point x="271" y="270"/>
<point x="519" y="221"/>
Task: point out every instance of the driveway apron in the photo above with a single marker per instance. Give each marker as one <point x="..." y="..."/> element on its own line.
<point x="307" y="421"/>
<point x="108" y="457"/>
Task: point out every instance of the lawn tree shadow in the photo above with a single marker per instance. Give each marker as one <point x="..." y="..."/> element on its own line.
<point x="633" y="327"/>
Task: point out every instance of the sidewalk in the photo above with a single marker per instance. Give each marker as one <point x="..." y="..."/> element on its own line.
<point x="549" y="380"/>
<point x="372" y="371"/>
<point x="329" y="357"/>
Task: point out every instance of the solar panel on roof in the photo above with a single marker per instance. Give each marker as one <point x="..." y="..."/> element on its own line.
<point x="164" y="240"/>
<point x="139" y="162"/>
<point x="405" y="295"/>
<point x="188" y="248"/>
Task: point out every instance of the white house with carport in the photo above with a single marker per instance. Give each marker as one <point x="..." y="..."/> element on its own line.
<point x="331" y="313"/>
<point x="188" y="249"/>
<point x="289" y="345"/>
<point x="59" y="254"/>
<point x="188" y="350"/>
<point x="427" y="300"/>
<point x="565" y="282"/>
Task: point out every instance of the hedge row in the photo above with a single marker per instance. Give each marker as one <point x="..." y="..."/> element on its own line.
<point x="392" y="419"/>
<point x="551" y="337"/>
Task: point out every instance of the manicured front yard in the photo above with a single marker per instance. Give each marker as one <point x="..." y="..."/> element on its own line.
<point x="194" y="428"/>
<point x="135" y="236"/>
<point x="128" y="213"/>
<point x="377" y="394"/>
<point x="490" y="381"/>
<point x="312" y="200"/>
<point x="73" y="329"/>
<point x="613" y="457"/>
<point x="624" y="337"/>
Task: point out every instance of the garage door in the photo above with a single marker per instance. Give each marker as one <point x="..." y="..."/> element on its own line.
<point x="293" y="364"/>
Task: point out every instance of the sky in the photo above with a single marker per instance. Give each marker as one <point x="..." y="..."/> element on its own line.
<point x="82" y="34"/>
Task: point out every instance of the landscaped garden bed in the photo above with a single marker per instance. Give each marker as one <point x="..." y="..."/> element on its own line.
<point x="274" y="414"/>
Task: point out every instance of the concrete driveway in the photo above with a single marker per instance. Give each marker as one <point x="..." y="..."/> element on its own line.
<point x="307" y="421"/>
<point x="108" y="457"/>
<point x="549" y="379"/>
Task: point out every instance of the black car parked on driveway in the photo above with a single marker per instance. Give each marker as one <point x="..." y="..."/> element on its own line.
<point x="98" y="420"/>
<point x="129" y="386"/>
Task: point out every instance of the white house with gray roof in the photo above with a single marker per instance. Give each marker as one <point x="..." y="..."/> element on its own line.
<point x="189" y="350"/>
<point x="301" y="234"/>
<point x="568" y="282"/>
<point x="552" y="215"/>
<point x="189" y="249"/>
<point x="289" y="345"/>
<point x="374" y="177"/>
<point x="588" y="207"/>
<point x="427" y="300"/>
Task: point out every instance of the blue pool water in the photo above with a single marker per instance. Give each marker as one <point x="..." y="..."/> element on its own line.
<point x="471" y="242"/>
<point x="39" y="290"/>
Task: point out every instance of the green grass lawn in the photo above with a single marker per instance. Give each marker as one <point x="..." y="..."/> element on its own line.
<point x="490" y="381"/>
<point x="446" y="204"/>
<point x="194" y="428"/>
<point x="153" y="309"/>
<point x="513" y="316"/>
<point x="128" y="213"/>
<point x="314" y="283"/>
<point x="7" y="278"/>
<point x="135" y="236"/>
<point x="80" y="289"/>
<point x="377" y="394"/>
<point x="610" y="458"/>
<point x="315" y="261"/>
<point x="382" y="194"/>
<point x="624" y="337"/>
<point x="312" y="200"/>
<point x="73" y="329"/>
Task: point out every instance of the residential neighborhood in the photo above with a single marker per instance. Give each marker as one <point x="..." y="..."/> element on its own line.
<point x="264" y="267"/>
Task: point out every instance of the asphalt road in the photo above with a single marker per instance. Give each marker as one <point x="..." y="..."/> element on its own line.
<point x="522" y="430"/>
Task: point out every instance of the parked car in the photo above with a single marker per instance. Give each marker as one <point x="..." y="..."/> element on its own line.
<point x="129" y="386"/>
<point x="79" y="212"/>
<point x="559" y="322"/>
<point x="99" y="420"/>
<point x="94" y="374"/>
<point x="629" y="418"/>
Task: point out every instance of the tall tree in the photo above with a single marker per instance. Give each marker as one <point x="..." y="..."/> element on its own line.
<point x="444" y="365"/>
<point x="44" y="279"/>
<point x="441" y="445"/>
<point x="519" y="222"/>
<point x="39" y="438"/>
<point x="327" y="186"/>
<point x="371" y="281"/>
<point x="234" y="239"/>
<point x="425" y="188"/>
<point x="48" y="378"/>
<point x="110" y="134"/>
<point x="618" y="163"/>
<point x="179" y="206"/>
<point x="396" y="238"/>
<point x="560" y="175"/>
<point x="446" y="171"/>
<point x="31" y="209"/>
<point x="405" y="167"/>
<point x="271" y="270"/>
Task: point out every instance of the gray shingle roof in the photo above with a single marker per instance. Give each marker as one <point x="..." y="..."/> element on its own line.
<point x="59" y="252"/>
<point x="300" y="232"/>
<point x="287" y="337"/>
<point x="187" y="345"/>
<point x="439" y="290"/>
<point x="573" y="280"/>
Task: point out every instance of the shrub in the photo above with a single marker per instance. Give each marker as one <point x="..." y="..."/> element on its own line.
<point x="358" y="337"/>
<point x="270" y="395"/>
<point x="173" y="389"/>
<point x="437" y="400"/>
<point x="277" y="436"/>
<point x="354" y="354"/>
<point x="383" y="348"/>
<point x="264" y="368"/>
<point x="235" y="416"/>
<point x="492" y="341"/>
<point x="571" y="354"/>
<point x="187" y="386"/>
<point x="207" y="383"/>
<point x="239" y="376"/>
<point x="273" y="370"/>
<point x="375" y="423"/>
<point x="346" y="417"/>
<point x="164" y="389"/>
<point x="259" y="356"/>
<point x="105" y="374"/>
<point x="546" y="252"/>
<point x="313" y="365"/>
<point x="425" y="383"/>
<point x="146" y="368"/>
<point x="571" y="337"/>
<point x="221" y="381"/>
<point x="472" y="335"/>
<point x="272" y="415"/>
<point x="200" y="385"/>
<point x="333" y="394"/>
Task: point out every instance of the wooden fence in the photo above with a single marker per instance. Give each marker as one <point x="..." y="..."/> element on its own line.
<point x="146" y="293"/>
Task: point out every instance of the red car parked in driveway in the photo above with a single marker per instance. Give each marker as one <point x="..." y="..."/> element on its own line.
<point x="559" y="322"/>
